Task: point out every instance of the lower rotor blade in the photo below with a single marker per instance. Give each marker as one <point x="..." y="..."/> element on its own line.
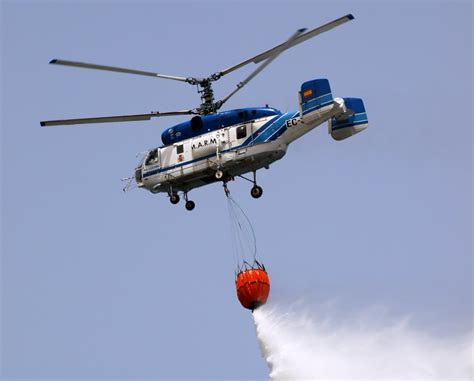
<point x="112" y="119"/>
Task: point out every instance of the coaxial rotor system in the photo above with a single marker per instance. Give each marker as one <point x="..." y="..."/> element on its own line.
<point x="208" y="103"/>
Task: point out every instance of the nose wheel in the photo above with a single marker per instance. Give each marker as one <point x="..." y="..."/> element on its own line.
<point x="174" y="198"/>
<point x="190" y="205"/>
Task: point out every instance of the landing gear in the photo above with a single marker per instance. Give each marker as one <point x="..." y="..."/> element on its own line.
<point x="174" y="198"/>
<point x="256" y="191"/>
<point x="190" y="205"/>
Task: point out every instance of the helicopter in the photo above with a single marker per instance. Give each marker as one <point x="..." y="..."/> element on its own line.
<point x="218" y="146"/>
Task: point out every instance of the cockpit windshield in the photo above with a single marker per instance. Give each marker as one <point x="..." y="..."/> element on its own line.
<point x="152" y="157"/>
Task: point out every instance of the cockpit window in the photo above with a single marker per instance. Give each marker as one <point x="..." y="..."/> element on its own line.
<point x="152" y="157"/>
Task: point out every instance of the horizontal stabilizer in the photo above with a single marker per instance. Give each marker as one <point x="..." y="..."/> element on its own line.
<point x="351" y="121"/>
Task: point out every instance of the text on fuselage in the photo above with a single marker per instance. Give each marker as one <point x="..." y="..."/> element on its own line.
<point x="204" y="143"/>
<point x="292" y="122"/>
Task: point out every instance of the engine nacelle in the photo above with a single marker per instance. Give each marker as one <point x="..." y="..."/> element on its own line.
<point x="351" y="120"/>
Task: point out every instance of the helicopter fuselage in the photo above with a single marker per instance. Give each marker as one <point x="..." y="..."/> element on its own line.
<point x="228" y="151"/>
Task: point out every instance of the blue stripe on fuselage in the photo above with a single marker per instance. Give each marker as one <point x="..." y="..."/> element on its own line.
<point x="355" y="119"/>
<point x="269" y="131"/>
<point x="317" y="103"/>
<point x="252" y="137"/>
<point x="272" y="130"/>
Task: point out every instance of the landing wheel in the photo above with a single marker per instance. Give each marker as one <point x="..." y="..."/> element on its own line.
<point x="190" y="205"/>
<point x="219" y="174"/>
<point x="256" y="191"/>
<point x="174" y="198"/>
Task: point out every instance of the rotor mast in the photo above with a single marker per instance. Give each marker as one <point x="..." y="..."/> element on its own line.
<point x="208" y="106"/>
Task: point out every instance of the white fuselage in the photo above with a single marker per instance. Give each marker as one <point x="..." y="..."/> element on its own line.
<point x="234" y="150"/>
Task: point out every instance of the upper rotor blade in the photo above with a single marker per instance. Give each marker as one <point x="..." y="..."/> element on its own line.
<point x="116" y="69"/>
<point x="110" y="119"/>
<point x="267" y="62"/>
<point x="270" y="52"/>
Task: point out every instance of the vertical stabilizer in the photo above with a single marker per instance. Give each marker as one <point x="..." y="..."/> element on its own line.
<point x="352" y="121"/>
<point x="315" y="99"/>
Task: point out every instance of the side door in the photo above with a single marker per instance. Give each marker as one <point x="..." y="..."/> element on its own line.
<point x="236" y="136"/>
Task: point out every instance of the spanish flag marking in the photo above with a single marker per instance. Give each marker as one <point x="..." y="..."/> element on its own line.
<point x="308" y="92"/>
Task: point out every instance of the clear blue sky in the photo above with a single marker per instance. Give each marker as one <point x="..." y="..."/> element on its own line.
<point x="100" y="284"/>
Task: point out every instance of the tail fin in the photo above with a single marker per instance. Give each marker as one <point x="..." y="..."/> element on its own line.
<point x="352" y="120"/>
<point x="315" y="98"/>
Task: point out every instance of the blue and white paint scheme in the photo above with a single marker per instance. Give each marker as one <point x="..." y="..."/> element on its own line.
<point x="230" y="144"/>
<point x="219" y="146"/>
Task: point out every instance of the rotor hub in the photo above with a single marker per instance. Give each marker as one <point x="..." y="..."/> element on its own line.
<point x="208" y="106"/>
